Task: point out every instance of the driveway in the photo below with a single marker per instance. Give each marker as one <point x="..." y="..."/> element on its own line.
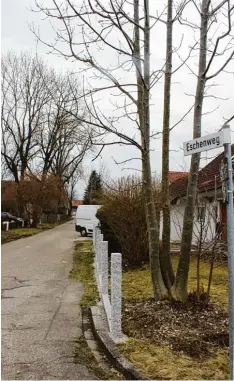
<point x="41" y="316"/>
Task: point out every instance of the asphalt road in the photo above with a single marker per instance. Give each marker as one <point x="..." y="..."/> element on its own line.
<point x="41" y="316"/>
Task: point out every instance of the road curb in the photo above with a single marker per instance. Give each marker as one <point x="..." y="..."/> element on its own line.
<point x="100" y="331"/>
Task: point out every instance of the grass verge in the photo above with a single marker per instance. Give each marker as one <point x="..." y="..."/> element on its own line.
<point x="14" y="234"/>
<point x="161" y="361"/>
<point x="83" y="271"/>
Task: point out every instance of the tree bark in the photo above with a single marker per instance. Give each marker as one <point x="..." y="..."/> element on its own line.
<point x="199" y="255"/>
<point x="210" y="278"/>
<point x="159" y="289"/>
<point x="143" y="89"/>
<point x="165" y="258"/>
<point x="180" y="288"/>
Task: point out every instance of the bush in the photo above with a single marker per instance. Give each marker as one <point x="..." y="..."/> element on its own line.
<point x="108" y="234"/>
<point x="123" y="221"/>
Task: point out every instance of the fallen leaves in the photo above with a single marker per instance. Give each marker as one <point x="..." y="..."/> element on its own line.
<point x="193" y="329"/>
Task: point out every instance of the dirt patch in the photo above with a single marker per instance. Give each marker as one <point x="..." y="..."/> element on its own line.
<point x="194" y="329"/>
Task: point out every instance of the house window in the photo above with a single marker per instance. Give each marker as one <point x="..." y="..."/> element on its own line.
<point x="201" y="210"/>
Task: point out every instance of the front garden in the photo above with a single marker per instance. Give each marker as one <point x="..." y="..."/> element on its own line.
<point x="171" y="340"/>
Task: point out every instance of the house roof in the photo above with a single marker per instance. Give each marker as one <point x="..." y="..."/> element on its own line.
<point x="207" y="177"/>
<point x="77" y="202"/>
<point x="173" y="176"/>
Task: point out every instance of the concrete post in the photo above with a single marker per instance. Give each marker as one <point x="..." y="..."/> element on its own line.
<point x="99" y="258"/>
<point x="94" y="235"/>
<point x="7" y="225"/>
<point x="97" y="238"/>
<point x="104" y="267"/>
<point x="116" y="295"/>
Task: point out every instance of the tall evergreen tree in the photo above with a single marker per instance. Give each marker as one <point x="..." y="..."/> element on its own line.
<point x="93" y="191"/>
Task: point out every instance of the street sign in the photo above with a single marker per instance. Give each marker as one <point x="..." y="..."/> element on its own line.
<point x="204" y="143"/>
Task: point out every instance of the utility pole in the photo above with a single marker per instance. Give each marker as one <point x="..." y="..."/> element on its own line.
<point x="230" y="239"/>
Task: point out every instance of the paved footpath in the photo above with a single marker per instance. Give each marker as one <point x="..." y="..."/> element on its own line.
<point x="41" y="316"/>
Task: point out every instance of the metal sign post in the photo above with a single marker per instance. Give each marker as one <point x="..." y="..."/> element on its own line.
<point x="205" y="143"/>
<point x="230" y="239"/>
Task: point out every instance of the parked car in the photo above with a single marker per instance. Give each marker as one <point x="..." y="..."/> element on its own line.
<point x="86" y="219"/>
<point x="5" y="216"/>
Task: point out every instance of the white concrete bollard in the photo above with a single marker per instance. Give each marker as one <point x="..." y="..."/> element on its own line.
<point x="96" y="241"/>
<point x="116" y="296"/>
<point x="7" y="225"/>
<point x="94" y="235"/>
<point x="97" y="238"/>
<point x="104" y="267"/>
<point x="99" y="258"/>
<point x="97" y="248"/>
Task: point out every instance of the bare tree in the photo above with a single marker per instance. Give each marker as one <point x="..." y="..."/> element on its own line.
<point x="71" y="186"/>
<point x="168" y="273"/>
<point x="23" y="99"/>
<point x="207" y="243"/>
<point x="209" y="50"/>
<point x="131" y="26"/>
<point x="63" y="140"/>
<point x="123" y="30"/>
<point x="40" y="127"/>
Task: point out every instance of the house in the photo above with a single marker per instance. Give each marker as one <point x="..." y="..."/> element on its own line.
<point x="75" y="204"/>
<point x="210" y="211"/>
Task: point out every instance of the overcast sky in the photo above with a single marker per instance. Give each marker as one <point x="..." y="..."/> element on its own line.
<point x="16" y="35"/>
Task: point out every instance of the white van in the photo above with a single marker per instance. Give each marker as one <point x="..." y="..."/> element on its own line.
<point x="86" y="219"/>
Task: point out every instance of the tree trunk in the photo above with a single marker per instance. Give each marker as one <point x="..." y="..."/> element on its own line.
<point x="199" y="256"/>
<point x="180" y="288"/>
<point x="160" y="291"/>
<point x="210" y="278"/>
<point x="143" y="89"/>
<point x="165" y="258"/>
<point x="19" y="199"/>
<point x="23" y="167"/>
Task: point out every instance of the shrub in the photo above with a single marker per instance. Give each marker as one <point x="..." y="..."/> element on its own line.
<point x="108" y="234"/>
<point x="123" y="220"/>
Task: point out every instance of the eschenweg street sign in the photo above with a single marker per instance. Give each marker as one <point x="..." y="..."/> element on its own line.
<point x="204" y="143"/>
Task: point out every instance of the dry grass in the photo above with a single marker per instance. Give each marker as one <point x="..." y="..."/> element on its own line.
<point x="137" y="283"/>
<point x="160" y="362"/>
